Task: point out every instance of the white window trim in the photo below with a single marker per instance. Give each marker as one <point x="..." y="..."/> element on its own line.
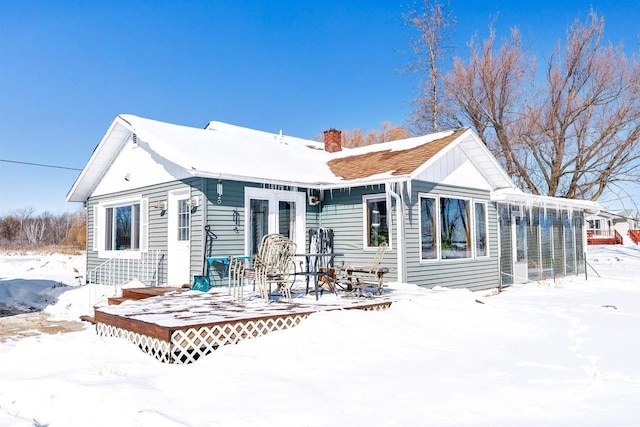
<point x="439" y="258"/>
<point x="100" y="224"/>
<point x="365" y="231"/>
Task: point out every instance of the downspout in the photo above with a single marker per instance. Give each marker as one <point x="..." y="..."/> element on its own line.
<point x="402" y="276"/>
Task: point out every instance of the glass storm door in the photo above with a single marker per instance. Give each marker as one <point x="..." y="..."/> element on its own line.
<point x="272" y="211"/>
<point x="178" y="242"/>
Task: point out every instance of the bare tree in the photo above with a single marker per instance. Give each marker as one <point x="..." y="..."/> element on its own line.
<point x="491" y="91"/>
<point x="432" y="49"/>
<point x="10" y="228"/>
<point x="571" y="134"/>
<point x="387" y="132"/>
<point x="34" y="230"/>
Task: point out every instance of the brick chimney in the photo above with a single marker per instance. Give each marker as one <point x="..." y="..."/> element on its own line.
<point x="332" y="140"/>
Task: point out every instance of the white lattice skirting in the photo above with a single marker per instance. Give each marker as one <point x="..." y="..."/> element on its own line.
<point x="189" y="345"/>
<point x="159" y="349"/>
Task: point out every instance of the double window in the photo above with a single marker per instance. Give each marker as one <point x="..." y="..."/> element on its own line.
<point x="120" y="226"/>
<point x="452" y="228"/>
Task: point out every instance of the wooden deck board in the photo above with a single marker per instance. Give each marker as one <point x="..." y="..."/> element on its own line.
<point x="161" y="317"/>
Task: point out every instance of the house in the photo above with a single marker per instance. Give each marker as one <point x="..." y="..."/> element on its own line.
<point x="625" y="220"/>
<point x="449" y="213"/>
<point x="611" y="227"/>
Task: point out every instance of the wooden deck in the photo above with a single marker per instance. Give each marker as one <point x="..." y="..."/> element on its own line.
<point x="604" y="237"/>
<point x="179" y="326"/>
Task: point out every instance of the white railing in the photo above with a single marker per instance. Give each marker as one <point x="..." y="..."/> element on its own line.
<point x="120" y="270"/>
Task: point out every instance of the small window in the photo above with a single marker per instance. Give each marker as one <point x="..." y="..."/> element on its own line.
<point x="481" y="229"/>
<point x="377" y="227"/>
<point x="184" y="220"/>
<point x="428" y="229"/>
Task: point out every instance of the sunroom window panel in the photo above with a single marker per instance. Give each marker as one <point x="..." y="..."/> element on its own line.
<point x="455" y="228"/>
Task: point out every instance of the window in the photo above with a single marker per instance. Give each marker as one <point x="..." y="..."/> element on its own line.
<point x="450" y="229"/>
<point x="376" y="225"/>
<point x="428" y="229"/>
<point x="184" y="220"/>
<point x="455" y="228"/>
<point x="120" y="226"/>
<point x="481" y="229"/>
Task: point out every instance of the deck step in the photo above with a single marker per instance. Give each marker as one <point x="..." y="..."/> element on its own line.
<point x="142" y="293"/>
<point x="117" y="300"/>
<point x="89" y="319"/>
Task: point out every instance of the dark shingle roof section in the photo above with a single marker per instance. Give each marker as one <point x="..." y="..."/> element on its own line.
<point x="399" y="162"/>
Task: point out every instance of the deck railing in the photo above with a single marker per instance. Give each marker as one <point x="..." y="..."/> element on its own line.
<point x="605" y="236"/>
<point x="120" y="270"/>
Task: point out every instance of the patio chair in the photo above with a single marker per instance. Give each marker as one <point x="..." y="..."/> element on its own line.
<point x="355" y="277"/>
<point x="238" y="276"/>
<point x="273" y="264"/>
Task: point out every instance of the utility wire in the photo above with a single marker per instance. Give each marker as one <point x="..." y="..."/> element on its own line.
<point x="39" y="164"/>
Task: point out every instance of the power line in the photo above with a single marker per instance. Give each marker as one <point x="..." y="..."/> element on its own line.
<point x="39" y="164"/>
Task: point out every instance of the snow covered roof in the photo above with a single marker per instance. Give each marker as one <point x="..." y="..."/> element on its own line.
<point x="221" y="150"/>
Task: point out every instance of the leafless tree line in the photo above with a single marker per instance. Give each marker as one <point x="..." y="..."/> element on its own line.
<point x="26" y="227"/>
<point x="571" y="130"/>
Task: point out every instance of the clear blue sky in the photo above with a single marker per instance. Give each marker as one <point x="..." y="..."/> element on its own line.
<point x="67" y="68"/>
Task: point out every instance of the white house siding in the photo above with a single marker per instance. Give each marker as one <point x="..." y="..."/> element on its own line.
<point x="134" y="167"/>
<point x="455" y="169"/>
<point x="475" y="274"/>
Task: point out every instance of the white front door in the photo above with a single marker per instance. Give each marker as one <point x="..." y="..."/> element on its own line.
<point x="179" y="237"/>
<point x="274" y="211"/>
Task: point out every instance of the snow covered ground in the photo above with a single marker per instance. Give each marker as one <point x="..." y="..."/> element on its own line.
<point x="553" y="354"/>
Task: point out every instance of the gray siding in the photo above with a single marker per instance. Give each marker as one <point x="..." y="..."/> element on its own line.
<point x="475" y="274"/>
<point x="158" y="226"/>
<point x="342" y="211"/>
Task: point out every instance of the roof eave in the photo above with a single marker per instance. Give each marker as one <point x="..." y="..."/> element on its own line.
<point x="84" y="185"/>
